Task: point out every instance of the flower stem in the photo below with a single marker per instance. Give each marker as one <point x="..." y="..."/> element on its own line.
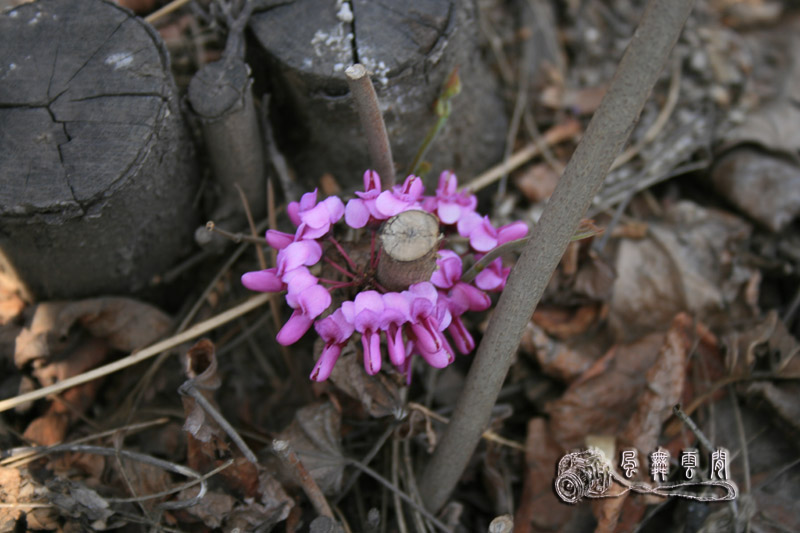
<point x="338" y="267"/>
<point x="610" y="127"/>
<point x="344" y="255"/>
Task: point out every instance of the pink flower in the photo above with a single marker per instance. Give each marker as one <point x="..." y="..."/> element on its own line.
<point x="315" y="219"/>
<point x="449" y="204"/>
<point x="308" y="299"/>
<point x="482" y="234"/>
<point x="278" y="239"/>
<point x="493" y="277"/>
<point x="367" y="310"/>
<point x="427" y="321"/>
<point x="359" y="210"/>
<point x="298" y="253"/>
<point x="263" y="281"/>
<point x="335" y="330"/>
<point x="460" y="298"/>
<point x="402" y="198"/>
<point x="396" y="313"/>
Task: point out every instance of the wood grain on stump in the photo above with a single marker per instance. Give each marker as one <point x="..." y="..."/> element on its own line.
<point x="97" y="169"/>
<point x="410" y="48"/>
<point x="409" y="242"/>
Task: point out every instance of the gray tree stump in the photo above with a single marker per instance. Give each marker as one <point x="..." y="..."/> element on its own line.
<point x="409" y="48"/>
<point x="97" y="169"/>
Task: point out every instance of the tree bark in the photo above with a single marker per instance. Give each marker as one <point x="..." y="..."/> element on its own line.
<point x="605" y="136"/>
<point x="97" y="167"/>
<point x="221" y="96"/>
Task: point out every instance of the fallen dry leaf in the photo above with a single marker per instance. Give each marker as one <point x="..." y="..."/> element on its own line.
<point x="602" y="400"/>
<point x="207" y="445"/>
<point x="556" y="359"/>
<point x="539" y="507"/>
<point x="124" y="323"/>
<point x="315" y="436"/>
<point x="379" y="395"/>
<point x="689" y="263"/>
<point x="664" y="389"/>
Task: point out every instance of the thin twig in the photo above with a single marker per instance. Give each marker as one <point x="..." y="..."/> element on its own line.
<point x="403" y="496"/>
<point x="366" y="103"/>
<point x="290" y="459"/>
<point x="686" y="419"/>
<point x="141" y="458"/>
<point x="489" y="435"/>
<point x="398" y="504"/>
<point x="554" y="135"/>
<point x="189" y="389"/>
<point x="737" y="416"/>
<point x="605" y="136"/>
<point x="166" y="10"/>
<point x="138" y="357"/>
<point x="258" y="241"/>
<point x="235" y="237"/>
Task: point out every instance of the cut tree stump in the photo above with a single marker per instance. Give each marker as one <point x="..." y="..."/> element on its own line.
<point x="97" y="168"/>
<point x="409" y="242"/>
<point x="410" y="48"/>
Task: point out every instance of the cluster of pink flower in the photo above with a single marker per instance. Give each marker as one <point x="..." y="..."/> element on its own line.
<point x="414" y="320"/>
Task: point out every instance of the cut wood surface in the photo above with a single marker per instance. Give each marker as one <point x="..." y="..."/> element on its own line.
<point x="409" y="49"/>
<point x="409" y="242"/>
<point x="96" y="167"/>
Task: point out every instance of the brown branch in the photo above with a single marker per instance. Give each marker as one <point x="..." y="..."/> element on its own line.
<point x="610" y="127"/>
<point x="366" y="102"/>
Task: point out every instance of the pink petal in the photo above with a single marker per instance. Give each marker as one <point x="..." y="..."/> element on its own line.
<point x="448" y="183"/>
<point x="396" y="305"/>
<point x="424" y="289"/>
<point x="335" y="208"/>
<point x="489" y="280"/>
<point x="371" y="342"/>
<point x="372" y="181"/>
<point x="449" y="269"/>
<point x="367" y="320"/>
<point x="413" y="188"/>
<point x="449" y="212"/>
<point x="481" y="239"/>
<point x="428" y="339"/>
<point x="314" y="300"/>
<point x="324" y="367"/>
<point x="295" y="327"/>
<point x="512" y="232"/>
<point x="437" y="359"/>
<point x="348" y="311"/>
<point x="317" y="217"/>
<point x="468" y="222"/>
<point x="298" y="281"/>
<point x="369" y="300"/>
<point x="474" y="299"/>
<point x="308" y="200"/>
<point x="388" y="205"/>
<point x="262" y="281"/>
<point x="304" y="252"/>
<point x="461" y="336"/>
<point x="394" y="342"/>
<point x="278" y="239"/>
<point x="356" y="214"/>
<point x="334" y="327"/>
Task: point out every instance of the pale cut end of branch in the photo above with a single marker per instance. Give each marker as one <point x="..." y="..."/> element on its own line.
<point x="356" y="72"/>
<point x="409" y="242"/>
